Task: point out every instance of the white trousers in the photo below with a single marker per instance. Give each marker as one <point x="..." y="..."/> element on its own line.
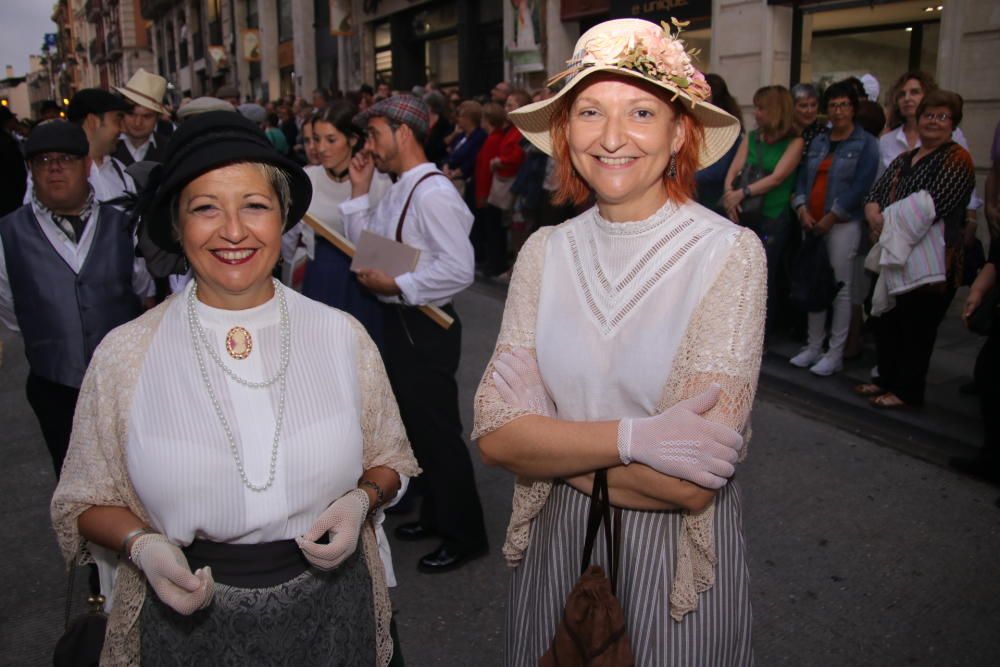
<point x="842" y="247"/>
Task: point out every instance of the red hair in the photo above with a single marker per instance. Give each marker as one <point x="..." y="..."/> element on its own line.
<point x="572" y="189"/>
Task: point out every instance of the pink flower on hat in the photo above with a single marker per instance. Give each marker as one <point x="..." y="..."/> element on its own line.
<point x="658" y="54"/>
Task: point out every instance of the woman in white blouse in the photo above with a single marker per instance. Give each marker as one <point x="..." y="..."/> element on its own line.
<point x="235" y="445"/>
<point x="328" y="277"/>
<point x="631" y="342"/>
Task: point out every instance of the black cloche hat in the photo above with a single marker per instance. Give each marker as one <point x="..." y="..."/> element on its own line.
<point x="203" y="143"/>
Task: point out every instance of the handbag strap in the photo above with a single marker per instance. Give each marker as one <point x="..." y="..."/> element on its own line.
<point x="600" y="512"/>
<point x="406" y="206"/>
<point x="69" y="595"/>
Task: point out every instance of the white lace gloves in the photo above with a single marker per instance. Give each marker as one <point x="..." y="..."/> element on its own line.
<point x="678" y="442"/>
<point x="168" y="572"/>
<point x="519" y="382"/>
<point x="681" y="443"/>
<point x="343" y="520"/>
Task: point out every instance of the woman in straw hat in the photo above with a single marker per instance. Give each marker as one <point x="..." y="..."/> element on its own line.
<point x="631" y="341"/>
<point x="233" y="446"/>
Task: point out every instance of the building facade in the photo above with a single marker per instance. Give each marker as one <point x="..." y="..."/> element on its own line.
<point x="269" y="48"/>
<point x="99" y="44"/>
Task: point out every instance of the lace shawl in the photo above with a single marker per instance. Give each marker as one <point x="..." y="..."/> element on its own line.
<point x="723" y="343"/>
<point x="95" y="471"/>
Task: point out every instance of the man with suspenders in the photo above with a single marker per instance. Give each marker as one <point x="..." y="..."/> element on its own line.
<point x="424" y="210"/>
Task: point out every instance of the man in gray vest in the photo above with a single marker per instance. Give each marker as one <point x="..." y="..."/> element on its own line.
<point x="68" y="275"/>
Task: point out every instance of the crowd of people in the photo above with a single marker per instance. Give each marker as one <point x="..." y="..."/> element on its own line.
<point x="227" y="446"/>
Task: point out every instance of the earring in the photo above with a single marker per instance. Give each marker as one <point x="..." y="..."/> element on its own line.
<point x="672" y="166"/>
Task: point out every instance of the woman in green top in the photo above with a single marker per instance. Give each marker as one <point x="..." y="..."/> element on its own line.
<point x="774" y="148"/>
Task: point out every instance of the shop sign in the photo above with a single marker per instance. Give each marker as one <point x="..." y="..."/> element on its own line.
<point x="340" y="18"/>
<point x="251" y="45"/>
<point x="662" y="10"/>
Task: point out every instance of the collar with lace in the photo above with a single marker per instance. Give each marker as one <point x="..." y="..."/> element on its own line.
<point x="633" y="227"/>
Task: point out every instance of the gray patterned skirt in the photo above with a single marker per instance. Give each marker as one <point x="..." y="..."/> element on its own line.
<point x="317" y="618"/>
<point x="716" y="634"/>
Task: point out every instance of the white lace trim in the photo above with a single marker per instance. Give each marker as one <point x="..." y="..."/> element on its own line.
<point x="611" y="300"/>
<point x="634" y="227"/>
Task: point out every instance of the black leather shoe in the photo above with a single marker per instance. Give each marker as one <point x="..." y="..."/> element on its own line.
<point x="447" y="558"/>
<point x="413" y="532"/>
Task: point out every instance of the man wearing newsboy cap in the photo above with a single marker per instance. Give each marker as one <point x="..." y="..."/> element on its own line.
<point x="68" y="275"/>
<point x="424" y="210"/>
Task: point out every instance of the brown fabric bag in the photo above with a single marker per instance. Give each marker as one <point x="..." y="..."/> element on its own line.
<point x="592" y="631"/>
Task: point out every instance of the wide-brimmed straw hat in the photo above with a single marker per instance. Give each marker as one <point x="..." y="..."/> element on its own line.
<point x="634" y="48"/>
<point x="145" y="89"/>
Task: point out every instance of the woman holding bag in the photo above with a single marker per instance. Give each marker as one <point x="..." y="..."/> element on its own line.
<point x="664" y="301"/>
<point x="839" y="169"/>
<point x="762" y="177"/>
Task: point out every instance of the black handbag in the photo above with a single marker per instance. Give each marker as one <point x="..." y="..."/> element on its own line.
<point x="83" y="639"/>
<point x="752" y="208"/>
<point x="814" y="284"/>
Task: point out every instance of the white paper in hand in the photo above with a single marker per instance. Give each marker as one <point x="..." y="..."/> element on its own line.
<point x="378" y="252"/>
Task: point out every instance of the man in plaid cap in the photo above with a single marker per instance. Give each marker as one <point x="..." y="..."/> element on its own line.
<point x="424" y="210"/>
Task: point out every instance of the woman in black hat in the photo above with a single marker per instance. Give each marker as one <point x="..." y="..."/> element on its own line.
<point x="236" y="443"/>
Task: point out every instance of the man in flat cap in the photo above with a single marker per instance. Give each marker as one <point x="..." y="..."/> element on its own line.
<point x="68" y="275"/>
<point x="139" y="142"/>
<point x="424" y="210"/>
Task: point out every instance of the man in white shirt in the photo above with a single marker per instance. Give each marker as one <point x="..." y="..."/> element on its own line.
<point x="101" y="115"/>
<point x="424" y="210"/>
<point x="68" y="275"/>
<point x="139" y="141"/>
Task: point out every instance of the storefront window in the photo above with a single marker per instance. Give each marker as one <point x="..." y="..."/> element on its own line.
<point x="383" y="52"/>
<point x="383" y="36"/>
<point x="442" y="60"/>
<point x="284" y="20"/>
<point x="435" y="20"/>
<point x="884" y="40"/>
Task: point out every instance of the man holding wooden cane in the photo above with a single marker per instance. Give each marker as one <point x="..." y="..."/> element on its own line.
<point x="424" y="211"/>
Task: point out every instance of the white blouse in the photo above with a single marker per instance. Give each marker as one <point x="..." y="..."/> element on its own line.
<point x="615" y="302"/>
<point x="328" y="195"/>
<point x="179" y="458"/>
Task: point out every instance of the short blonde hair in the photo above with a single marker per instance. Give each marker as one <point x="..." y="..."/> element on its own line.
<point x="779" y="119"/>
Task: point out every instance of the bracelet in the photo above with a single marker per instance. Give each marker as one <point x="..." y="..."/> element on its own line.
<point x="379" y="495"/>
<point x="128" y="538"/>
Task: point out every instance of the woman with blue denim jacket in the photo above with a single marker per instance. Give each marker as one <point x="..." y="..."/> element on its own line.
<point x="838" y="170"/>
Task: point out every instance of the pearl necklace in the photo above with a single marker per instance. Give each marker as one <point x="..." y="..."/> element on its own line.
<point x="199" y="338"/>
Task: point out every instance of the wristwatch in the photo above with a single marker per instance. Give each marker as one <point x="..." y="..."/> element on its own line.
<point x="746" y="192"/>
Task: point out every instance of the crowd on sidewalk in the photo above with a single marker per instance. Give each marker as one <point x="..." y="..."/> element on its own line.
<point x="629" y="204"/>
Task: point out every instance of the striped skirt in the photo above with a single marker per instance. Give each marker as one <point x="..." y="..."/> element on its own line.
<point x="716" y="634"/>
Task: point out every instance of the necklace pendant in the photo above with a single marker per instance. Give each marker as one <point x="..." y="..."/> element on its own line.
<point x="239" y="343"/>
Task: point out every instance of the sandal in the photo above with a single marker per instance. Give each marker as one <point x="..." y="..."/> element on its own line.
<point x="888" y="401"/>
<point x="868" y="389"/>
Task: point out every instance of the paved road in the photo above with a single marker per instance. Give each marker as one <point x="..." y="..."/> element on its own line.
<point x="860" y="554"/>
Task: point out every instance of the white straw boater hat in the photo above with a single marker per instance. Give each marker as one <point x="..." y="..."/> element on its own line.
<point x="642" y="50"/>
<point x="145" y="89"/>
